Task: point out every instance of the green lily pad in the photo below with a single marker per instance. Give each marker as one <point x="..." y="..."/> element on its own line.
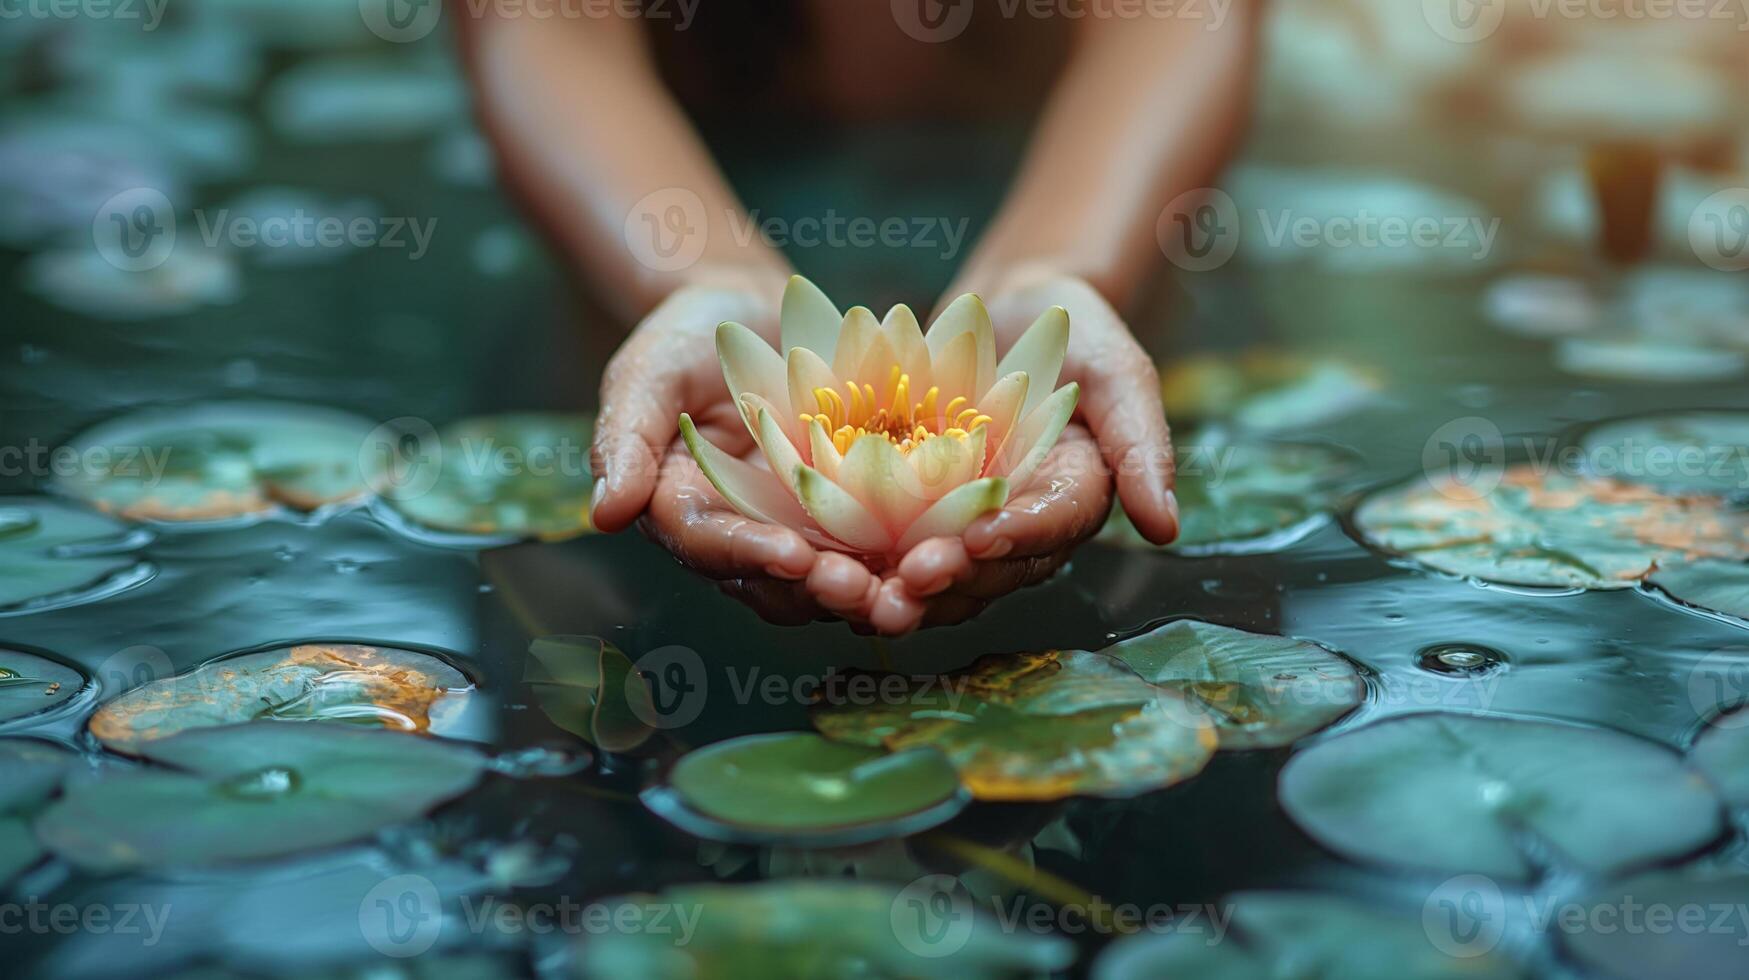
<point x="1265" y="390"/>
<point x="1241" y="498"/>
<point x="1722" y="753"/>
<point x="1550" y="530"/>
<point x="1636" y="358"/>
<point x="1664" y="925"/>
<point x="586" y="686"/>
<point x="54" y="555"/>
<point x="32" y="772"/>
<point x="797" y="788"/>
<point x="1320" y="935"/>
<point x="377" y="686"/>
<point x="1461" y="793"/>
<point x="1715" y="586"/>
<point x="243" y="792"/>
<point x="524" y="474"/>
<point x="1678" y="452"/>
<point x="30" y="684"/>
<point x="802" y="929"/>
<point x="1037" y="726"/>
<point x="216" y="460"/>
<point x="1258" y="690"/>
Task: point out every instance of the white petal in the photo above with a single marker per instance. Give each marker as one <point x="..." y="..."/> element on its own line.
<point x="877" y="474"/>
<point x="807" y="372"/>
<point x="876" y="368"/>
<point x="906" y="336"/>
<point x="840" y="514"/>
<point x="1039" y="352"/>
<point x="944" y="463"/>
<point x="779" y="451"/>
<point x="808" y="318"/>
<point x="1002" y="403"/>
<point x="751" y="367"/>
<point x="962" y="316"/>
<point x="950" y="515"/>
<point x="1032" y="440"/>
<point x="746" y="487"/>
<point x="956" y="370"/>
<point x="826" y="456"/>
<point x="859" y="330"/>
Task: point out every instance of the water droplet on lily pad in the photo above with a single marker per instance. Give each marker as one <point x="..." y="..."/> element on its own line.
<point x="31" y="683"/>
<point x="217" y="460"/>
<point x="1460" y="659"/>
<point x="799" y="789"/>
<point x="54" y="555"/>
<point x="1037" y="726"/>
<point x="250" y="791"/>
<point x="385" y="687"/>
<point x="1549" y="530"/>
<point x="1463" y="793"/>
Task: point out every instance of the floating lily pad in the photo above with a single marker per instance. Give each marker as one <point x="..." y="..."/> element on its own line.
<point x="1241" y="498"/>
<point x="377" y="686"/>
<point x="1553" y="530"/>
<point x="30" y="683"/>
<point x="1258" y="690"/>
<point x="83" y="281"/>
<point x="584" y="685"/>
<point x="1037" y="726"/>
<point x="30" y="772"/>
<point x="1543" y="306"/>
<point x="1715" y="586"/>
<point x="1460" y="793"/>
<point x="1633" y="358"/>
<point x="253" y="791"/>
<point x="1722" y="753"/>
<point x="1681" y="452"/>
<point x="799" y="789"/>
<point x="800" y="929"/>
<point x="1265" y="390"/>
<point x="1664" y="925"/>
<point x="55" y="555"/>
<point x="526" y="475"/>
<point x="1322" y="935"/>
<point x="219" y="460"/>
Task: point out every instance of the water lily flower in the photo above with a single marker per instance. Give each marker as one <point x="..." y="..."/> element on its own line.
<point x="878" y="436"/>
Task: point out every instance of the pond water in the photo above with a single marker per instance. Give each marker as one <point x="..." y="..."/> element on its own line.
<point x="484" y="323"/>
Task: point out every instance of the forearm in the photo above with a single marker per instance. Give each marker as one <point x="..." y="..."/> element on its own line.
<point x="1143" y="113"/>
<point x="589" y="139"/>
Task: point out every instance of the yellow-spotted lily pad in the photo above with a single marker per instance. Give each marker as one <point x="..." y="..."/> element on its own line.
<point x="217" y="460"/>
<point x="525" y="475"/>
<point x="803" y="929"/>
<point x="1038" y="726"/>
<point x="256" y="790"/>
<point x="798" y="789"/>
<point x="1462" y="793"/>
<point x="1550" y="530"/>
<point x="1258" y="690"/>
<point x="374" y="686"/>
<point x="587" y="687"/>
<point x="53" y="555"/>
<point x="30" y="684"/>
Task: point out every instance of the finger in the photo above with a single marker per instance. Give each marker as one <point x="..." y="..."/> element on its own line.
<point x="895" y="611"/>
<point x="1121" y="401"/>
<point x="649" y="381"/>
<point x="1066" y="502"/>
<point x="994" y="579"/>
<point x="934" y="565"/>
<point x="687" y="517"/>
<point x="843" y="584"/>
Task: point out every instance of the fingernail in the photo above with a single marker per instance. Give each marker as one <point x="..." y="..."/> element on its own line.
<point x="597" y="493"/>
<point x="1172" y="503"/>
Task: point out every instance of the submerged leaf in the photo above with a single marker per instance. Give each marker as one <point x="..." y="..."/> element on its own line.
<point x="1461" y="793"/>
<point x="375" y="686"/>
<point x="1550" y="530"/>
<point x="589" y="688"/>
<point x="525" y="474"/>
<point x="798" y="789"/>
<point x="257" y="790"/>
<point x="54" y="555"/>
<point x="30" y="683"/>
<point x="1257" y="690"/>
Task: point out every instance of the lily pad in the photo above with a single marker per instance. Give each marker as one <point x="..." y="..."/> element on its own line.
<point x="1265" y="390"/>
<point x="586" y="686"/>
<point x="526" y="475"/>
<point x="30" y="684"/>
<point x="32" y="771"/>
<point x="1722" y="753"/>
<point x="1322" y="935"/>
<point x="800" y="929"/>
<point x="1633" y="358"/>
<point x="243" y="792"/>
<point x="1715" y="586"/>
<point x="799" y="789"/>
<point x="217" y="460"/>
<point x="1036" y="726"/>
<point x="1680" y="452"/>
<point x="1673" y="925"/>
<point x="1258" y="690"/>
<point x="1461" y="793"/>
<point x="54" y="555"/>
<point x="376" y="686"/>
<point x="1550" y="530"/>
<point x="1244" y="498"/>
